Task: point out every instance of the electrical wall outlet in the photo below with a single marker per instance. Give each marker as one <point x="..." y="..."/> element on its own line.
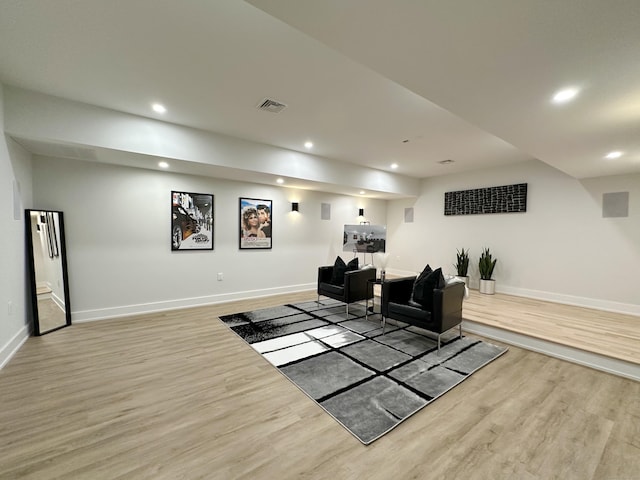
<point x="220" y="276"/>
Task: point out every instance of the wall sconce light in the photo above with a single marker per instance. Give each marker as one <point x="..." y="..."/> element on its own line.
<point x="361" y="212"/>
<point x="294" y="206"/>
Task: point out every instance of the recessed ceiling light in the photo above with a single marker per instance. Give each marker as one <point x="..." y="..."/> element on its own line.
<point x="616" y="154"/>
<point x="565" y="95"/>
<point x="362" y="192"/>
<point x="159" y="108"/>
<point x="163" y="164"/>
<point x="394" y="166"/>
<point x="280" y="181"/>
<point x="308" y="144"/>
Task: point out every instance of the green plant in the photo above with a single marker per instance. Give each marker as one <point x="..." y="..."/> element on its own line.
<point x="462" y="263"/>
<point x="486" y="264"/>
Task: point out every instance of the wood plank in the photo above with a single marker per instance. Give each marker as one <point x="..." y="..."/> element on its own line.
<point x="611" y="334"/>
<point x="178" y="395"/>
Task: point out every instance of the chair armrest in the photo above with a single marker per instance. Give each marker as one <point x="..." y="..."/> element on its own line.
<point x="324" y="274"/>
<point x="360" y="275"/>
<point x="447" y="305"/>
<point x="396" y="290"/>
<point x="356" y="284"/>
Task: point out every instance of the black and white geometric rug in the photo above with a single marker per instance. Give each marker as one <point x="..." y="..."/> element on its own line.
<point x="367" y="381"/>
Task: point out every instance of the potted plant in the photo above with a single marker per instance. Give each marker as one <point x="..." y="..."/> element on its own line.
<point x="462" y="265"/>
<point x="486" y="265"/>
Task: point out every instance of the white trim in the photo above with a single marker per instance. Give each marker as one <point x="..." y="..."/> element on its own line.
<point x="401" y="273"/>
<point x="563" y="352"/>
<point x="58" y="301"/>
<point x="598" y="304"/>
<point x="595" y="303"/>
<point x="124" y="311"/>
<point x="12" y="346"/>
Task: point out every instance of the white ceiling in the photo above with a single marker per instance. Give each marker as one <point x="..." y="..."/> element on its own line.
<point x="370" y="82"/>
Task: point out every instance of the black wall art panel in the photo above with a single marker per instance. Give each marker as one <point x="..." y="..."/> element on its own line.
<point x="503" y="199"/>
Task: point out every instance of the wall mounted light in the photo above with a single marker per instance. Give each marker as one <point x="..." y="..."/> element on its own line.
<point x="361" y="212"/>
<point x="294" y="206"/>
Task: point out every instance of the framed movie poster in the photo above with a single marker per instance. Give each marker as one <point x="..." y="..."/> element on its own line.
<point x="255" y="223"/>
<point x="191" y="221"/>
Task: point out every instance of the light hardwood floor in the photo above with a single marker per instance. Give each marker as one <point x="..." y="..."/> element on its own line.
<point x="614" y="335"/>
<point x="177" y="395"/>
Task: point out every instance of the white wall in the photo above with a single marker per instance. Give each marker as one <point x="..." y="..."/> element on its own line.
<point x="117" y="222"/>
<point x="561" y="249"/>
<point x="15" y="191"/>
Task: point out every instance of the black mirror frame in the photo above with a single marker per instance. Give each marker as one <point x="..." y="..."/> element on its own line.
<point x="32" y="272"/>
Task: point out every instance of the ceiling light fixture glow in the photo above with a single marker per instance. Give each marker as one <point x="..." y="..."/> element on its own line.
<point x="362" y="192"/>
<point x="279" y="181"/>
<point x="611" y="155"/>
<point x="308" y="145"/>
<point x="565" y="95"/>
<point x="394" y="166"/>
<point x="163" y="164"/>
<point x="159" y="108"/>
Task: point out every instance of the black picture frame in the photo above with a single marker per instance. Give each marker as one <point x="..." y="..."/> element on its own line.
<point x="252" y="236"/>
<point x="192" y="221"/>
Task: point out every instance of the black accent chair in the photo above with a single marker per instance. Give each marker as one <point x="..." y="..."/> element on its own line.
<point x="356" y="285"/>
<point x="445" y="314"/>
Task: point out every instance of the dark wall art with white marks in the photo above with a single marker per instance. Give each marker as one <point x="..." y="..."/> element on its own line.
<point x="502" y="199"/>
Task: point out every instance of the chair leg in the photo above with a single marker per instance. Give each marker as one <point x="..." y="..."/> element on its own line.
<point x="384" y="324"/>
<point x="438" y="352"/>
<point x="318" y="299"/>
<point x="347" y="311"/>
<point x="460" y="329"/>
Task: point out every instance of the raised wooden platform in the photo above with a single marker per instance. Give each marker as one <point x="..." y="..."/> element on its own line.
<point x="604" y="340"/>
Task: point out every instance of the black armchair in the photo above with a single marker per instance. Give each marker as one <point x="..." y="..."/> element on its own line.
<point x="445" y="312"/>
<point x="356" y="285"/>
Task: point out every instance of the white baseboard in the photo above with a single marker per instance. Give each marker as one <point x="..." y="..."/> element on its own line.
<point x="112" y="312"/>
<point x="115" y="312"/>
<point x="596" y="303"/>
<point x="563" y="352"/>
<point x="10" y="348"/>
<point x="58" y="301"/>
<point x="401" y="273"/>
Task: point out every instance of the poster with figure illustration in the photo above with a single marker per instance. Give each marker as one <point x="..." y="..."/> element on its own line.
<point x="191" y="221"/>
<point x="255" y="223"/>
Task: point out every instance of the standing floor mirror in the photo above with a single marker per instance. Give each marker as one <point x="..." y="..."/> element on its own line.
<point x="47" y="264"/>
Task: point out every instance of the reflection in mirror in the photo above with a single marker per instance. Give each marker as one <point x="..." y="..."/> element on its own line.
<point x="47" y="262"/>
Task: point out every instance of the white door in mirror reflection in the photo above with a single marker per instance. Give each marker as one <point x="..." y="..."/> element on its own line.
<point x="48" y="269"/>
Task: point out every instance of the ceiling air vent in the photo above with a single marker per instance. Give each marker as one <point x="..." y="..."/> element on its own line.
<point x="273" y="106"/>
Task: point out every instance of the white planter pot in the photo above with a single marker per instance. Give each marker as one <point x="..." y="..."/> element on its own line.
<point x="464" y="279"/>
<point x="487" y="287"/>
